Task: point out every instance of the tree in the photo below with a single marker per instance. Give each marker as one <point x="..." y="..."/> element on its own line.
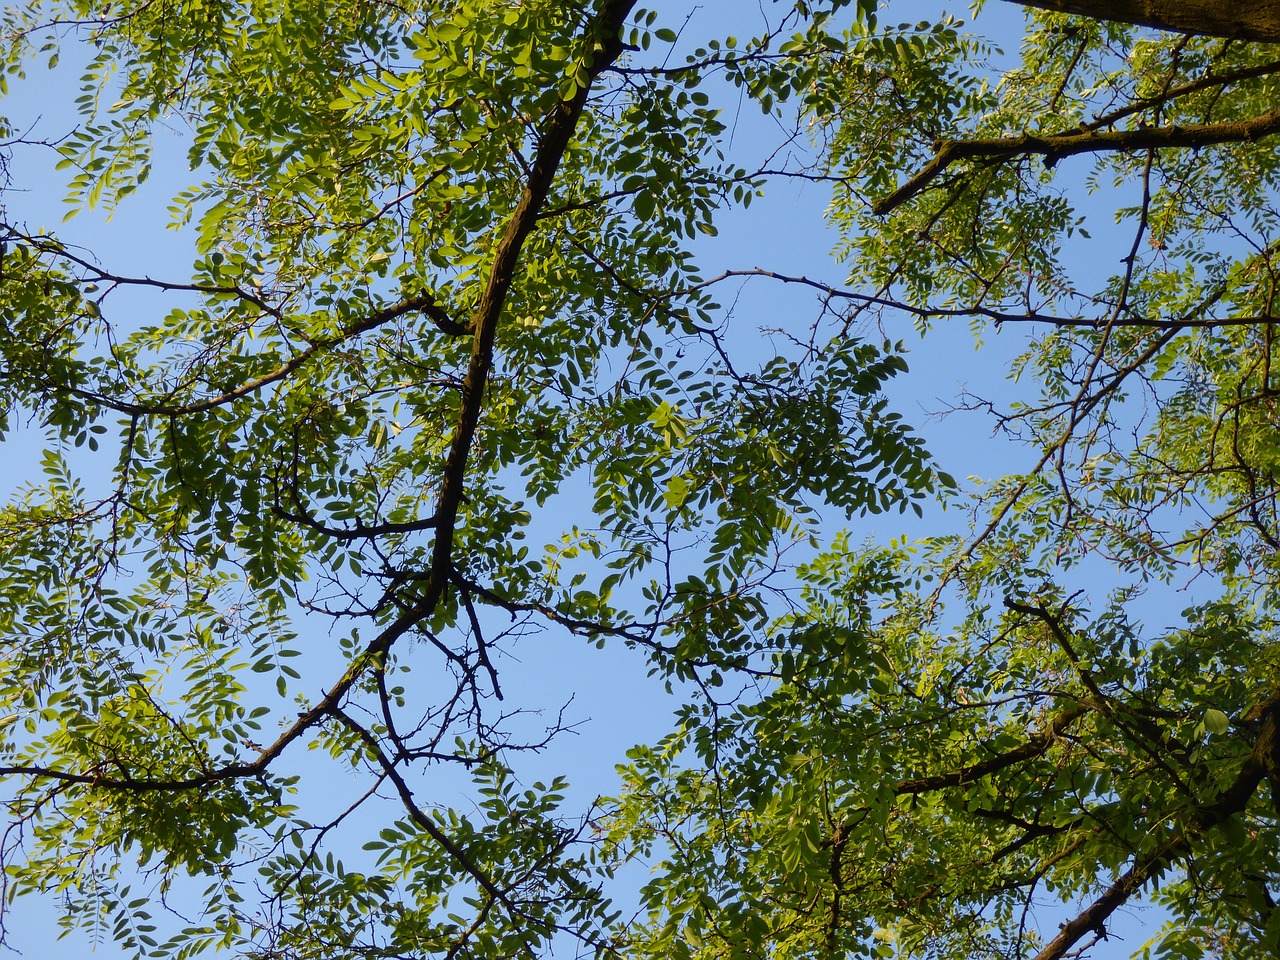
<point x="961" y="733"/>
<point x="440" y="276"/>
<point x="443" y="278"/>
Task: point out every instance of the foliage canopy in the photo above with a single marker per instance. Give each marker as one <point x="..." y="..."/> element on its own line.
<point x="446" y="303"/>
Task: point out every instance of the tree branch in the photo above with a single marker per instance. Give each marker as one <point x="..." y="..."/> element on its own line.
<point x="1253" y="20"/>
<point x="1053" y="147"/>
<point x="422" y="303"/>
<point x="1191" y="320"/>
<point x="428" y="825"/>
<point x="1030" y="748"/>
<point x="603" y="34"/>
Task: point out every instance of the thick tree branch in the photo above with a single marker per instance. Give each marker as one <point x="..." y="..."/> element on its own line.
<point x="1256" y="20"/>
<point x="1053" y="147"/>
<point x="603" y="35"/>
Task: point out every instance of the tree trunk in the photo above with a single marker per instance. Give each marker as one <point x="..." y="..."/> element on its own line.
<point x="1253" y="20"/>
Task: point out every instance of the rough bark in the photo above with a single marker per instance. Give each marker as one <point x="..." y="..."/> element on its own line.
<point x="1253" y="20"/>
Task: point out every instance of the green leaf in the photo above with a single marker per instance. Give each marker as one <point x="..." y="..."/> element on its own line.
<point x="1216" y="722"/>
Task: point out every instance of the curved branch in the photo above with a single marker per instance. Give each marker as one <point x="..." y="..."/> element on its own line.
<point x="359" y="530"/>
<point x="1053" y="147"/>
<point x="482" y="648"/>
<point x="97" y="274"/>
<point x="422" y="303"/>
<point x="1204" y="82"/>
<point x="328" y="705"/>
